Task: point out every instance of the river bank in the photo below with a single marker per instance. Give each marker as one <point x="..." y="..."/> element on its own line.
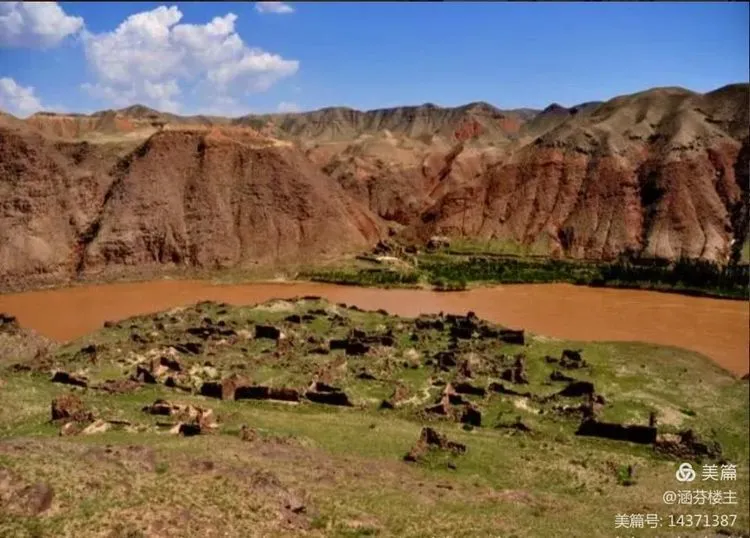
<point x="451" y="271"/>
<point x="441" y="269"/>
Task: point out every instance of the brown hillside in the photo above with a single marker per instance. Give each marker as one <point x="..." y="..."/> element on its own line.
<point x="76" y="126"/>
<point x="194" y="196"/>
<point x="399" y="177"/>
<point x="475" y="120"/>
<point x="216" y="199"/>
<point x="652" y="173"/>
<point x="661" y="173"/>
<point x="131" y="123"/>
<point x="44" y="207"/>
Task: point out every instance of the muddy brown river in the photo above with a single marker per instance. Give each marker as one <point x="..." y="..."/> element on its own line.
<point x="717" y="328"/>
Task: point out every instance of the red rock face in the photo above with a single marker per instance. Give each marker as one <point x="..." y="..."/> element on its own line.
<point x="509" y="124"/>
<point x="654" y="173"/>
<point x="123" y="125"/>
<point x="206" y="199"/>
<point x="221" y="203"/>
<point x="598" y="207"/>
<point x="468" y="129"/>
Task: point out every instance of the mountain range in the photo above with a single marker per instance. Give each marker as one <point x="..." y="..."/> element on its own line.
<point x="658" y="174"/>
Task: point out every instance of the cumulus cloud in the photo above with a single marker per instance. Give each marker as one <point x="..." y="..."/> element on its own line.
<point x="150" y="58"/>
<point x="120" y="98"/>
<point x="286" y="106"/>
<point x="35" y="24"/>
<point x="17" y="99"/>
<point x="279" y="8"/>
<point x="226" y="106"/>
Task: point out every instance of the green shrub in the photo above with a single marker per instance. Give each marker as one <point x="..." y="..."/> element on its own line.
<point x="625" y="475"/>
<point x="367" y="277"/>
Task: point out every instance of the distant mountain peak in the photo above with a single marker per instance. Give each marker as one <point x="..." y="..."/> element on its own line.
<point x="138" y="111"/>
<point x="554" y="107"/>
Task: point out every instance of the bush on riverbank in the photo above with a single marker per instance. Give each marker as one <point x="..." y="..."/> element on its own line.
<point x="446" y="272"/>
<point x="692" y="277"/>
<point x="441" y="284"/>
<point x="507" y="270"/>
<point x="684" y="275"/>
<point x="366" y="277"/>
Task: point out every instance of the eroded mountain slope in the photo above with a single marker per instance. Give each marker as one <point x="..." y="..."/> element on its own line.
<point x="654" y="173"/>
<point x="205" y="197"/>
<point x="45" y="205"/>
<point x="661" y="173"/>
<point x="218" y="198"/>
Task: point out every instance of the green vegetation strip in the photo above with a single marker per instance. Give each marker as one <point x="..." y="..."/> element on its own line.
<point x="447" y="270"/>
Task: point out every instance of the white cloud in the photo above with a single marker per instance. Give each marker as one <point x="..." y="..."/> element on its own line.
<point x="225" y="106"/>
<point x="16" y="99"/>
<point x="119" y="98"/>
<point x="280" y="8"/>
<point x="35" y="24"/>
<point x="162" y="94"/>
<point x="150" y="57"/>
<point x="286" y="106"/>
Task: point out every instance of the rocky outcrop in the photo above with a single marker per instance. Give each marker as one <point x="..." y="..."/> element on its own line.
<point x="70" y="407"/>
<point x="687" y="445"/>
<point x="67" y="378"/>
<point x="192" y="420"/>
<point x="430" y="439"/>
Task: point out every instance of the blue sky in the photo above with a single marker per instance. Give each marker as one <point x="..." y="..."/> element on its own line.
<point x="237" y="58"/>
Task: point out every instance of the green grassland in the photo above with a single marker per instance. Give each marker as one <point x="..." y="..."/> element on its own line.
<point x="322" y="470"/>
<point x="468" y="263"/>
